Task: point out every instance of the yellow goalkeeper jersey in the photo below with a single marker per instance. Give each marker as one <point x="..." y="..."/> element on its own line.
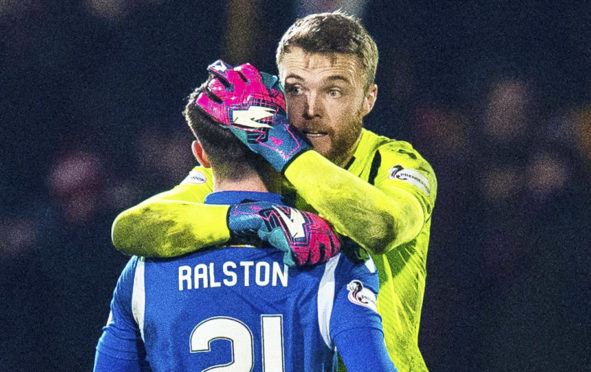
<point x="383" y="200"/>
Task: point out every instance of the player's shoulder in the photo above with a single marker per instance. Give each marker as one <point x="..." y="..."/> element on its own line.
<point x="126" y="281"/>
<point x="399" y="161"/>
<point x="128" y="271"/>
<point x="393" y="147"/>
<point x="348" y="269"/>
<point x="393" y="150"/>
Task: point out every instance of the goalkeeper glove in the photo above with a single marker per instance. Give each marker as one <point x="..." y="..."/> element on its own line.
<point x="305" y="238"/>
<point x="252" y="105"/>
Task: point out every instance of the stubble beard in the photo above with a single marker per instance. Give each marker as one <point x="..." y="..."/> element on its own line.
<point x="342" y="146"/>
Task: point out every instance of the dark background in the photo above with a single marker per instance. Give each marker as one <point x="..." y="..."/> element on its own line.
<point x="495" y="94"/>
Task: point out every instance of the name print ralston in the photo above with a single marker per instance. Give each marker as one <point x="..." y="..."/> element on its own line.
<point x="244" y="273"/>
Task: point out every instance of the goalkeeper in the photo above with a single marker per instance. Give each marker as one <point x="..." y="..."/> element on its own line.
<point x="377" y="191"/>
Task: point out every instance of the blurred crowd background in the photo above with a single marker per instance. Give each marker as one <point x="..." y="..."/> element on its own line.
<point x="495" y="94"/>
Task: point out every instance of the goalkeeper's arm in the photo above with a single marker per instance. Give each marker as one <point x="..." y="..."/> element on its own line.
<point x="177" y="222"/>
<point x="174" y="222"/>
<point x="378" y="217"/>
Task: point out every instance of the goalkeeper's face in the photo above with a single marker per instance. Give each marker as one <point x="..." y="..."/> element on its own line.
<point x="327" y="100"/>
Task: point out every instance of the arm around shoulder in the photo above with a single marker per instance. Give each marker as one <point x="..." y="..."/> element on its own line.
<point x="379" y="216"/>
<point x="172" y="223"/>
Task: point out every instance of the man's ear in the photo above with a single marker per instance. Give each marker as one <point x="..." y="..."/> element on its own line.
<point x="370" y="99"/>
<point x="200" y="154"/>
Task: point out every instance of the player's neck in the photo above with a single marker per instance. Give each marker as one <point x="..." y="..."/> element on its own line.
<point x="253" y="183"/>
<point x="346" y="157"/>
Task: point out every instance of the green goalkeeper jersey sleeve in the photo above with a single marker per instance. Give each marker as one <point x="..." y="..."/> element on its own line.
<point x="173" y="222"/>
<point x="383" y="201"/>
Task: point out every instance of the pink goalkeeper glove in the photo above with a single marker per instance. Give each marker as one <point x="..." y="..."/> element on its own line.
<point x="252" y="105"/>
<point x="305" y="238"/>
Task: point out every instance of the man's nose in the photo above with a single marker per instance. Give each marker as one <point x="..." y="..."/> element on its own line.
<point x="313" y="106"/>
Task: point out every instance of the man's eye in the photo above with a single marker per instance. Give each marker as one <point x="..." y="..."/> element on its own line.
<point x="335" y="93"/>
<point x="293" y="90"/>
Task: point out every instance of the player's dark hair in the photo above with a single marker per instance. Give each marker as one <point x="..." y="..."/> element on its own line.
<point x="328" y="33"/>
<point x="229" y="157"/>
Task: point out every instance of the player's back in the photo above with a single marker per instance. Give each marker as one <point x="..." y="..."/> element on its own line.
<point x="237" y="307"/>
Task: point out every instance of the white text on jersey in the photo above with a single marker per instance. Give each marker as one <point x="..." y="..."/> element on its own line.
<point x="244" y="273"/>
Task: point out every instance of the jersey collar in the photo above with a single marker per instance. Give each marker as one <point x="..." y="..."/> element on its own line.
<point x="360" y="152"/>
<point x="235" y="197"/>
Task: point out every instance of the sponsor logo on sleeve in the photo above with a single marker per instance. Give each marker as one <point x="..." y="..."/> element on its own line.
<point x="195" y="177"/>
<point x="359" y="295"/>
<point x="412" y="176"/>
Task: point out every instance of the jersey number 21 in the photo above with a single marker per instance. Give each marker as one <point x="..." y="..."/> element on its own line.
<point x="241" y="338"/>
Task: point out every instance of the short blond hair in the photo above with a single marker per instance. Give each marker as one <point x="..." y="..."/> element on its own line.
<point x="328" y="33"/>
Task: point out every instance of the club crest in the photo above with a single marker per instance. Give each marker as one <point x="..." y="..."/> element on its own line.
<point x="359" y="295"/>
